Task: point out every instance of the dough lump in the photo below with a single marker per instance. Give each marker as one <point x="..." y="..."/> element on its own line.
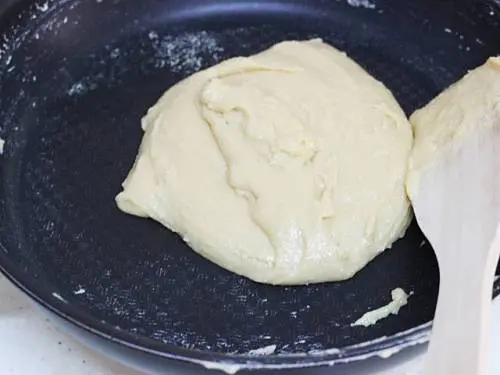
<point x="471" y="103"/>
<point x="287" y="167"/>
<point x="399" y="300"/>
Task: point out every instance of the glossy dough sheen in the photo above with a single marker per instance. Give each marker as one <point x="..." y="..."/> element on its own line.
<point x="287" y="167"/>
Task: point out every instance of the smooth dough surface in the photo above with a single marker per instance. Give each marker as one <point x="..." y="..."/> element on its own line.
<point x="287" y="167"/>
<point x="471" y="103"/>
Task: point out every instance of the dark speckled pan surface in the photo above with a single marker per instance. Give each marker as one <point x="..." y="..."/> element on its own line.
<point x="75" y="79"/>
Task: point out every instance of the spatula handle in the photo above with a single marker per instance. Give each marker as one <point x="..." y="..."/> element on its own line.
<point x="460" y="338"/>
<point x="459" y="341"/>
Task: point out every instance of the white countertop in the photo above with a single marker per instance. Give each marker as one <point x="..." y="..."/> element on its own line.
<point x="32" y="343"/>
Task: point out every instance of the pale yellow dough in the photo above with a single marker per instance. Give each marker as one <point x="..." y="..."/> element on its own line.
<point x="287" y="167"/>
<point x="399" y="300"/>
<point x="444" y="123"/>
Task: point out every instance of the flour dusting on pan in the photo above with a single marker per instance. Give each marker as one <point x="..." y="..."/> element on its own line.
<point x="361" y="3"/>
<point x="184" y="52"/>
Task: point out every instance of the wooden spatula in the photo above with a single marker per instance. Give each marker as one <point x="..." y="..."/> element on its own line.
<point x="457" y="205"/>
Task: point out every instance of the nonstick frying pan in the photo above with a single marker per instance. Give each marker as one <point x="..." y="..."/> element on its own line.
<point x="75" y="78"/>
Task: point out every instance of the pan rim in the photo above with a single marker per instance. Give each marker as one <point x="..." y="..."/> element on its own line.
<point x="381" y="346"/>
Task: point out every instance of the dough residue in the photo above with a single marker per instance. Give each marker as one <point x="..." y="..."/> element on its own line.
<point x="399" y="299"/>
<point x="266" y="350"/>
<point x="287" y="167"/>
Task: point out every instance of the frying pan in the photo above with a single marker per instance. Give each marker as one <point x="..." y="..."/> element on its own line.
<point x="75" y="78"/>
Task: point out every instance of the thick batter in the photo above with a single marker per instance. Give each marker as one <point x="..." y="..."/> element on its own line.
<point x="287" y="167"/>
<point x="471" y="103"/>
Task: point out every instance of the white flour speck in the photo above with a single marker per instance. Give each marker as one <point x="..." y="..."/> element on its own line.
<point x="77" y="89"/>
<point x="447" y="30"/>
<point x="361" y="3"/>
<point x="266" y="350"/>
<point x="49" y="225"/>
<point x="115" y="53"/>
<point x="79" y="291"/>
<point x="2" y="144"/>
<point x="43" y="7"/>
<point x="153" y="35"/>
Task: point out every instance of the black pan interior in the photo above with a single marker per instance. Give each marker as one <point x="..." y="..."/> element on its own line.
<point x="75" y="79"/>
